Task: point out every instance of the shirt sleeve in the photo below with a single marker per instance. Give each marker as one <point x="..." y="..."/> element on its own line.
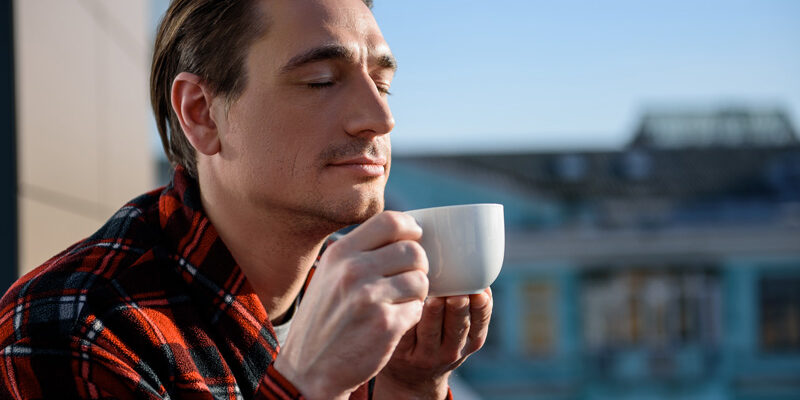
<point x="81" y="372"/>
<point x="275" y="386"/>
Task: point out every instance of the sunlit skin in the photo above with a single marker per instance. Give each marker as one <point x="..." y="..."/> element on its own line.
<point x="311" y="136"/>
<point x="301" y="153"/>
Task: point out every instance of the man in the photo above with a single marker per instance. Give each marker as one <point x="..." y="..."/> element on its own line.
<point x="276" y="112"/>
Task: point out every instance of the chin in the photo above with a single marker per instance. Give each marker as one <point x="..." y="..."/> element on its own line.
<point x="355" y="206"/>
<point x="351" y="214"/>
<point x="329" y="213"/>
<point x="372" y="210"/>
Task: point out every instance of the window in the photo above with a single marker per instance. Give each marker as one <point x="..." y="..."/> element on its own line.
<point x="779" y="304"/>
<point x="652" y="308"/>
<point x="539" y="323"/>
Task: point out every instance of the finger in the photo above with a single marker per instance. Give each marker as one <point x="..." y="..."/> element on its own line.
<point x="408" y="342"/>
<point x="382" y="229"/>
<point x="404" y="287"/>
<point x="395" y="258"/>
<point x="456" y="327"/>
<point x="405" y="316"/>
<point x="429" y="328"/>
<point x="480" y="310"/>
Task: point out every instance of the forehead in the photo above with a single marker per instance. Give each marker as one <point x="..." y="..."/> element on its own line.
<point x="297" y="25"/>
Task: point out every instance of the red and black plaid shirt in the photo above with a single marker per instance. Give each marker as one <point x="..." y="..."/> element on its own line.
<point x="152" y="306"/>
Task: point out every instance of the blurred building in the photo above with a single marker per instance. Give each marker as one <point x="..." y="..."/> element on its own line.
<point x="82" y="119"/>
<point x="668" y="269"/>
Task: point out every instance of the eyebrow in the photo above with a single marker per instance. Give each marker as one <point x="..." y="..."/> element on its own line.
<point x="334" y="52"/>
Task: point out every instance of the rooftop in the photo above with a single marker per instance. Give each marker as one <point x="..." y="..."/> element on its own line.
<point x="721" y="127"/>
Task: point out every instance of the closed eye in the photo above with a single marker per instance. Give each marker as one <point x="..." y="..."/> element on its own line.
<point x="384" y="90"/>
<point x="319" y="85"/>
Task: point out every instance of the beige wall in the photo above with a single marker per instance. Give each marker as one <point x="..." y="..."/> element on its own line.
<point x="83" y="117"/>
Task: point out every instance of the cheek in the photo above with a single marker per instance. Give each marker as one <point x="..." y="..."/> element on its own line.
<point x="277" y="142"/>
<point x="282" y="155"/>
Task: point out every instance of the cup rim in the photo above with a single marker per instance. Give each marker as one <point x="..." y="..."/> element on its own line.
<point x="459" y="206"/>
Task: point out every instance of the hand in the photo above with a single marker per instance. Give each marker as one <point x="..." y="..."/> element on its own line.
<point x="449" y="331"/>
<point x="367" y="291"/>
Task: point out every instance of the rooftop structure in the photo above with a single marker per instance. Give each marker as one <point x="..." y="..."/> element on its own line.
<point x="722" y="127"/>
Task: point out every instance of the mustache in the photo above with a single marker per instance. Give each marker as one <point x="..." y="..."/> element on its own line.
<point x="355" y="148"/>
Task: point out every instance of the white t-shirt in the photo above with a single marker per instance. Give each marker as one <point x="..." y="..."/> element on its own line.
<point x="282" y="330"/>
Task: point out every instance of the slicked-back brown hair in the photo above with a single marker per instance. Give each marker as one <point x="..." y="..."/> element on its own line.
<point x="208" y="38"/>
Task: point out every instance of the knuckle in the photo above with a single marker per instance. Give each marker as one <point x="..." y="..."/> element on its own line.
<point x="458" y="307"/>
<point x="414" y="254"/>
<point x="368" y="294"/>
<point x="460" y="331"/>
<point x="413" y="283"/>
<point x="431" y="335"/>
<point x="368" y="313"/>
<point x="416" y="251"/>
<point x="393" y="220"/>
<point x="350" y="275"/>
<point x="362" y="303"/>
<point x="420" y="281"/>
<point x="383" y="321"/>
<point x="404" y="247"/>
<point x="359" y="264"/>
<point x="485" y="319"/>
<point x="401" y="250"/>
<point x="421" y="277"/>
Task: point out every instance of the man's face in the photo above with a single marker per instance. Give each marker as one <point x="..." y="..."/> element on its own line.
<point x="309" y="133"/>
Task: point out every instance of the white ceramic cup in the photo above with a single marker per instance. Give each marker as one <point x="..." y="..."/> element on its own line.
<point x="465" y="246"/>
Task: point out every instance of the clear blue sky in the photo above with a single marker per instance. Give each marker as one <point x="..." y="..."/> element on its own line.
<point x="520" y="74"/>
<point x="546" y="74"/>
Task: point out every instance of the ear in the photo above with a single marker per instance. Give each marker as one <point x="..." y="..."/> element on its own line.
<point x="191" y="101"/>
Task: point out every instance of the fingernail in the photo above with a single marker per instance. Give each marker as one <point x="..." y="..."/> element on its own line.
<point x="435" y="304"/>
<point x="454" y="301"/>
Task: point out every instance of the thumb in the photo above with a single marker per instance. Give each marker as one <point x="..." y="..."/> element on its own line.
<point x="407" y="343"/>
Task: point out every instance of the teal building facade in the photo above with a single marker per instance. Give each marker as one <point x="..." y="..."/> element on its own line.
<point x="669" y="269"/>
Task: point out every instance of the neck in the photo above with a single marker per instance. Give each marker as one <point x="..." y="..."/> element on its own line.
<point x="273" y="253"/>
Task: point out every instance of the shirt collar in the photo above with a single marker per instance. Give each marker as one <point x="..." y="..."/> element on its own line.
<point x="204" y="261"/>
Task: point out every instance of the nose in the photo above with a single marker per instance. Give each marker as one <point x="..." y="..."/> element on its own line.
<point x="368" y="114"/>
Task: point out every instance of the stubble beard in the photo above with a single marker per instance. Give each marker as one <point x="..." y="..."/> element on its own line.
<point x="340" y="213"/>
<point x="327" y="218"/>
<point x="323" y="212"/>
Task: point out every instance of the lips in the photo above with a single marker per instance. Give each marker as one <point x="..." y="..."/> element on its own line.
<point x="362" y="160"/>
<point x="362" y="165"/>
